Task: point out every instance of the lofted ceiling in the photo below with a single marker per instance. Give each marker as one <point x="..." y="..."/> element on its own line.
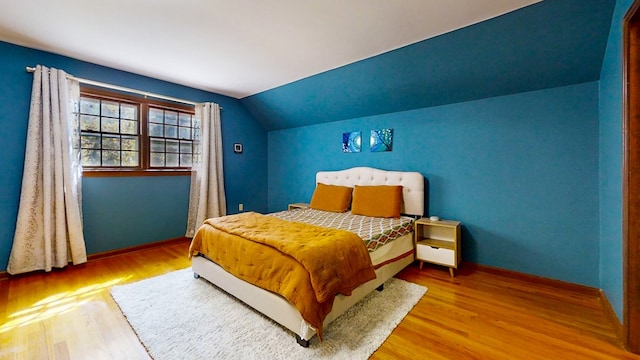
<point x="549" y="44"/>
<point x="297" y="63"/>
<point x="234" y="47"/>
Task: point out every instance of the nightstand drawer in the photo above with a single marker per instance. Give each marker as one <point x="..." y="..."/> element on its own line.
<point x="436" y="255"/>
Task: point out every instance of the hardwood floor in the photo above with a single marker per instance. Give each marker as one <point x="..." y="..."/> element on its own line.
<point x="69" y="314"/>
<point x="481" y="315"/>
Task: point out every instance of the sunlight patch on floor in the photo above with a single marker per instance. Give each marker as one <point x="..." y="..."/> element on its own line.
<point x="57" y="304"/>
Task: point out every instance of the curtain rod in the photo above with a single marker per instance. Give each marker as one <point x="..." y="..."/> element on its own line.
<point x="125" y="89"/>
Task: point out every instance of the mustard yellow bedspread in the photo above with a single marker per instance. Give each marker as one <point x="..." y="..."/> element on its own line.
<point x="306" y="264"/>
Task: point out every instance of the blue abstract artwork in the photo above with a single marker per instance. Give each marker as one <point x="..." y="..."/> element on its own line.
<point x="351" y="142"/>
<point x="381" y="140"/>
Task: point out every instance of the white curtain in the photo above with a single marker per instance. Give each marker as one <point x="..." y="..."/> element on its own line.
<point x="207" y="198"/>
<point x="49" y="225"/>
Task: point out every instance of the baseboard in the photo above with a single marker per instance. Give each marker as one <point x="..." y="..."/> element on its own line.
<point x="618" y="327"/>
<point x="582" y="289"/>
<point x="136" y="248"/>
<point x="97" y="256"/>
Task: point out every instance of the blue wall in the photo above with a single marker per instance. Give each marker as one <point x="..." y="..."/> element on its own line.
<point x="129" y="211"/>
<point x="125" y="211"/>
<point x="611" y="244"/>
<point x="520" y="171"/>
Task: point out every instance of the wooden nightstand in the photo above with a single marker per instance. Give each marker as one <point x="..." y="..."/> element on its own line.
<point x="438" y="242"/>
<point x="298" y="206"/>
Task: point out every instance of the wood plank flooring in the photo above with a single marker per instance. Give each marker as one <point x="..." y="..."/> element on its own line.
<point x="69" y="314"/>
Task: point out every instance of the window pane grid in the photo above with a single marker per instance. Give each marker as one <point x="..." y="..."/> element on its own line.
<point x="171" y="138"/>
<point x="124" y="133"/>
<point x="109" y="135"/>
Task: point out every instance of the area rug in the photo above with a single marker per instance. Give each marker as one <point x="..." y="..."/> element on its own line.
<point x="178" y="317"/>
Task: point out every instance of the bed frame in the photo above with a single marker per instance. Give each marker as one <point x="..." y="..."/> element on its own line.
<point x="280" y="310"/>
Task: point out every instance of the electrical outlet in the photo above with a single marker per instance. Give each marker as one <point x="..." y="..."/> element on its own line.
<point x="240" y="207"/>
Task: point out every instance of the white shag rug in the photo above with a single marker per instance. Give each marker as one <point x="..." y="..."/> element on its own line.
<point x="178" y="317"/>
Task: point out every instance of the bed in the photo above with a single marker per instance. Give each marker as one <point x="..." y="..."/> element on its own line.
<point x="387" y="258"/>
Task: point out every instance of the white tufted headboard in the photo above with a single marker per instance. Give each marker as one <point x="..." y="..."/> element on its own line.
<point x="412" y="184"/>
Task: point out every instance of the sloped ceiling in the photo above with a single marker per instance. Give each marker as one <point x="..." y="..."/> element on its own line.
<point x="297" y="63"/>
<point x="234" y="47"/>
<point x="549" y="44"/>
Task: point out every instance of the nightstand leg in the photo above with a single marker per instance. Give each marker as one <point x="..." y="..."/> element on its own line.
<point x="451" y="272"/>
<point x="421" y="262"/>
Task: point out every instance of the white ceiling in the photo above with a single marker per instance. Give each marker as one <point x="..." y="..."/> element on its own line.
<point x="234" y="47"/>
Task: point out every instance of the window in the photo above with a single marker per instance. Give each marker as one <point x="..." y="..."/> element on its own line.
<point x="171" y="136"/>
<point x="126" y="134"/>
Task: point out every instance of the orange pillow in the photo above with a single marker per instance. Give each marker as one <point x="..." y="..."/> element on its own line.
<point x="378" y="201"/>
<point x="331" y="198"/>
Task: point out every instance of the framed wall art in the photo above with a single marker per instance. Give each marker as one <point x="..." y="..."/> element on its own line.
<point x="381" y="140"/>
<point x="351" y="142"/>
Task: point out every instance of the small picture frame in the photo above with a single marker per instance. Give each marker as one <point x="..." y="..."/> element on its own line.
<point x="381" y="140"/>
<point x="351" y="142"/>
<point x="237" y="148"/>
